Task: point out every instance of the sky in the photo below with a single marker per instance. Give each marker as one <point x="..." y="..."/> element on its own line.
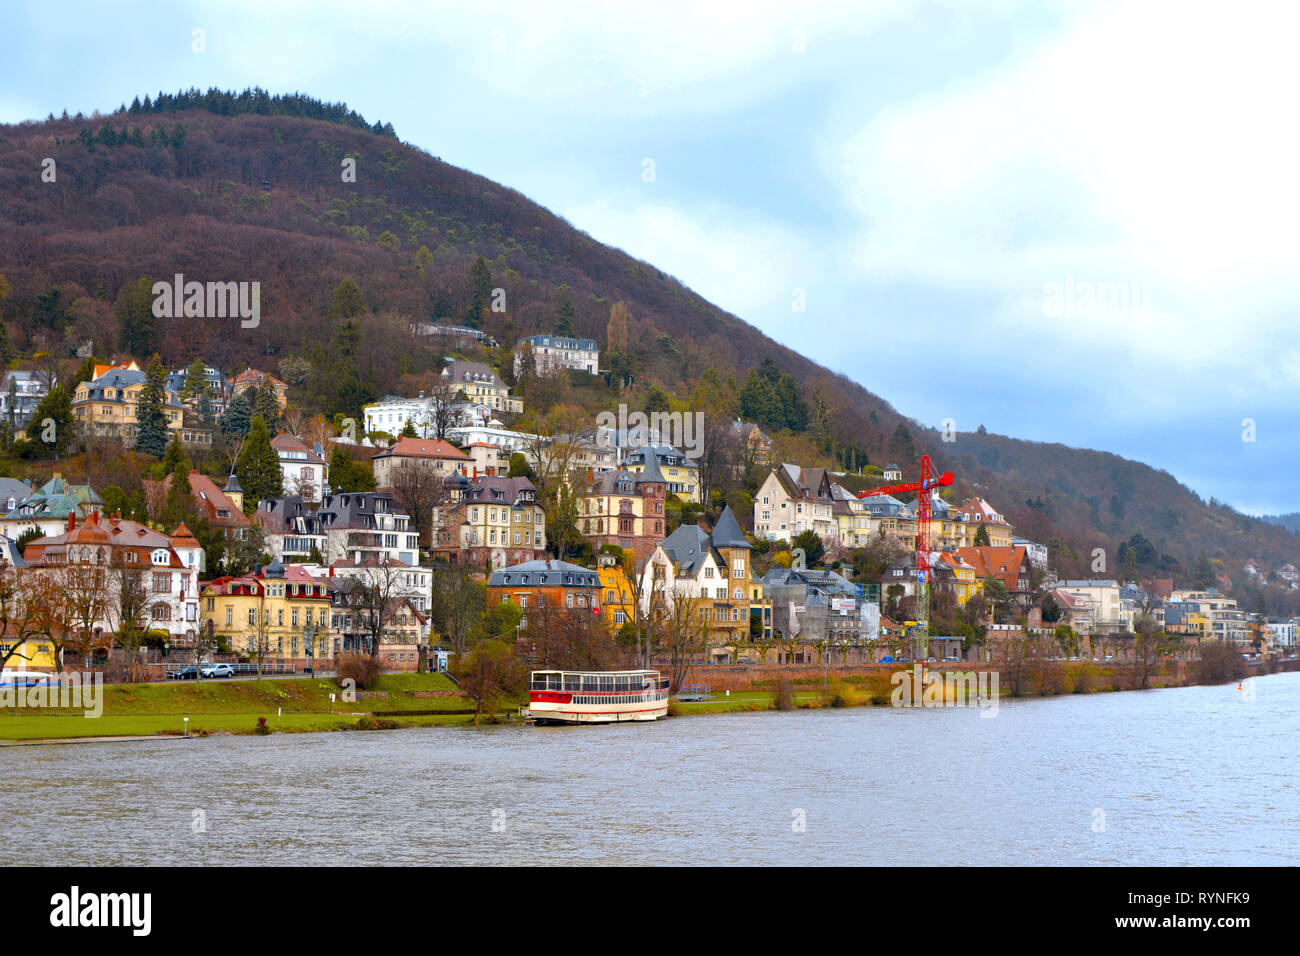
<point x="1066" y="221"/>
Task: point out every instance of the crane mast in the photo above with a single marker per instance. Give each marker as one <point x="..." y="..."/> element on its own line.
<point x="929" y="481"/>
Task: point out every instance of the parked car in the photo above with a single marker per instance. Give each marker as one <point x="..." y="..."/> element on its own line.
<point x="947" y="659"/>
<point x="218" y="670"/>
<point x="929" y="660"/>
<point x="185" y="673"/>
<point x="886" y="659"/>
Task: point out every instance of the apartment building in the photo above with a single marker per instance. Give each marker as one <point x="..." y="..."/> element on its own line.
<point x="714" y="572"/>
<point x="106" y="406"/>
<point x="303" y="471"/>
<point x="793" y="500"/>
<point x="1225" y="621"/>
<point x="497" y="521"/>
<point x="277" y="613"/>
<point x="479" y="383"/>
<point x="439" y="458"/>
<point x="366" y="527"/>
<point x="551" y="352"/>
<point x="680" y="473"/>
<point x="624" y="508"/>
<point x="160" y="572"/>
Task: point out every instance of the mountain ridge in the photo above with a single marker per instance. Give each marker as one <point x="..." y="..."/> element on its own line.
<point x="261" y="196"/>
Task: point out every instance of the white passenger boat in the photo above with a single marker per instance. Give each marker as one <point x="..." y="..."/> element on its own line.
<point x="596" y="697"/>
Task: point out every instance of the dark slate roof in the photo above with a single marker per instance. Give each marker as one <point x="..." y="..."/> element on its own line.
<point x="651" y="471"/>
<point x="548" y="573"/>
<point x="687" y="546"/>
<point x="727" y="533"/>
<point x="354" y="509"/>
<point x="498" y="489"/>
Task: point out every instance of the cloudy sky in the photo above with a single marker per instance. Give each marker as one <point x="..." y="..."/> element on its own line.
<point x="1069" y="222"/>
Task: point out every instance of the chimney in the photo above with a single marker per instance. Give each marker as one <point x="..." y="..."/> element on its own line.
<point x="72" y="520"/>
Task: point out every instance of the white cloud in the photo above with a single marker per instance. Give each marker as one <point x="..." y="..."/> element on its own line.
<point x="1146" y="146"/>
<point x="735" y="258"/>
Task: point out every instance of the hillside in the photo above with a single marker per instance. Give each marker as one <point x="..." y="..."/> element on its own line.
<point x="249" y="190"/>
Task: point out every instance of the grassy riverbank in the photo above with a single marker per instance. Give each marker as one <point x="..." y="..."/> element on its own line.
<point x="427" y="700"/>
<point x="224" y="706"/>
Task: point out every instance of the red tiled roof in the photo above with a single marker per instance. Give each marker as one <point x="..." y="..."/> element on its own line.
<point x="424" y="448"/>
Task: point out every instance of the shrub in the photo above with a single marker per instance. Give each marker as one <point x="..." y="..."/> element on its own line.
<point x="369" y="722"/>
<point x="843" y="694"/>
<point x="361" y="668"/>
<point x="261" y="727"/>
<point x="1220" y="662"/>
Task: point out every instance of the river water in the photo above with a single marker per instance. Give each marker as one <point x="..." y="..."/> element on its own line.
<point x="1200" y="775"/>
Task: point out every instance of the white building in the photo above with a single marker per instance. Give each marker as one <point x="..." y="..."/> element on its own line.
<point x="793" y="500"/>
<point x="413" y="582"/>
<point x="1282" y="632"/>
<point x="303" y="470"/>
<point x="559" y="351"/>
<point x="20" y="392"/>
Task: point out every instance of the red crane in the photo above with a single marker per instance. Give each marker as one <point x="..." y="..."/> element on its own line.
<point x="929" y="481"/>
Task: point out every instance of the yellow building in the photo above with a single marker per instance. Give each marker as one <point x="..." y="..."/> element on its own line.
<point x="681" y="474"/>
<point x="978" y="513"/>
<point x="282" y="612"/>
<point x="616" y="597"/>
<point x="966" y="584"/>
<point x="480" y="384"/>
<point x="33" y="654"/>
<point x="105" y="407"/>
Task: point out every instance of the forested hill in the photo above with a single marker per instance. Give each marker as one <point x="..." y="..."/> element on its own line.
<point x="250" y="187"/>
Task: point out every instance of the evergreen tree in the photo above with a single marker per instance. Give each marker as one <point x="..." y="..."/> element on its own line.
<point x="238" y="417"/>
<point x="564" y="314"/>
<point x="480" y="292"/>
<point x="267" y="405"/>
<point x="982" y="536"/>
<point x="53" y="419"/>
<point x="134" y="313"/>
<point x="174" y="456"/>
<point x="408" y="430"/>
<point x="179" y="504"/>
<point x="258" y="466"/>
<point x="85" y="372"/>
<point x="196" y="381"/>
<point x="151" y="419"/>
<point x="346" y="301"/>
<point x="206" y="415"/>
<point x="340" y="470"/>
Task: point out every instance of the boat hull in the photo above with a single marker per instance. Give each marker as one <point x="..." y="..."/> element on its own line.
<point x="545" y="712"/>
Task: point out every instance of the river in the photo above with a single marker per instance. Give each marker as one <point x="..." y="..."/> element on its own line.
<point x="1199" y="775"/>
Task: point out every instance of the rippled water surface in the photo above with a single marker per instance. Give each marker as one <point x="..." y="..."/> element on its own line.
<point x="1198" y="775"/>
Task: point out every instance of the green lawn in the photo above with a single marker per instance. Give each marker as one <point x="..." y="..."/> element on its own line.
<point x="234" y="706"/>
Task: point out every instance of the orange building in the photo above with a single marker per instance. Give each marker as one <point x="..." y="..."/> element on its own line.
<point x="556" y="583"/>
